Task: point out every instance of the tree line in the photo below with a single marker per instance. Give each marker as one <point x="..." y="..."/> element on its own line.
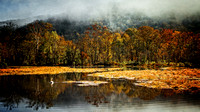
<point x="38" y="43"/>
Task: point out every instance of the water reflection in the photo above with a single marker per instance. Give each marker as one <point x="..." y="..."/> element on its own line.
<point x="36" y="89"/>
<point x="97" y="95"/>
<point x="36" y="92"/>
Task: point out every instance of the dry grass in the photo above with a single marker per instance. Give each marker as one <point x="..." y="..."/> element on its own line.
<point x="50" y="70"/>
<point x="180" y="79"/>
<point x="183" y="79"/>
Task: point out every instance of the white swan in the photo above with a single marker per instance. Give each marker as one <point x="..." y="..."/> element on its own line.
<point x="51" y="82"/>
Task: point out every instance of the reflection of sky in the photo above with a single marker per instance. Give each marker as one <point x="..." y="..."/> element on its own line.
<point x="155" y="107"/>
<point x="136" y="105"/>
<point x="75" y="102"/>
<point x="121" y="103"/>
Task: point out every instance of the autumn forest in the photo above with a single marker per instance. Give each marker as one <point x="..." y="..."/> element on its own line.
<point x="39" y="44"/>
<point x="99" y="55"/>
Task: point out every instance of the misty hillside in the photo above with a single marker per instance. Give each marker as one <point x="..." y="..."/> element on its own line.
<point x="70" y="17"/>
<point x="70" y="28"/>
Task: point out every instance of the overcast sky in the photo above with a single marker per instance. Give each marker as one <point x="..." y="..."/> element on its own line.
<point x="91" y="9"/>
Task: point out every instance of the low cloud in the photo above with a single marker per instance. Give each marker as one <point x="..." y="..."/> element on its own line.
<point x="94" y="9"/>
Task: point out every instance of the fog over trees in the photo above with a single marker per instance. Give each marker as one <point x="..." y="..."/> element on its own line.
<point x="76" y="32"/>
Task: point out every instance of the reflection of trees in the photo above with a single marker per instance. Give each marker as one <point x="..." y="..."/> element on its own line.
<point x="146" y="93"/>
<point x="132" y="91"/>
<point x="12" y="101"/>
<point x="36" y="89"/>
<point x="102" y="94"/>
<point x="37" y="92"/>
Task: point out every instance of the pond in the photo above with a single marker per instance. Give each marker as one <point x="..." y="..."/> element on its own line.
<point x="30" y="93"/>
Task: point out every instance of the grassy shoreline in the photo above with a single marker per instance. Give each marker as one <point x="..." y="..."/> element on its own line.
<point x="166" y="78"/>
<point x="177" y="79"/>
<point x="39" y="70"/>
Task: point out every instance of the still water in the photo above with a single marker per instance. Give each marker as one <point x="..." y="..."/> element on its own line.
<point x="35" y="93"/>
